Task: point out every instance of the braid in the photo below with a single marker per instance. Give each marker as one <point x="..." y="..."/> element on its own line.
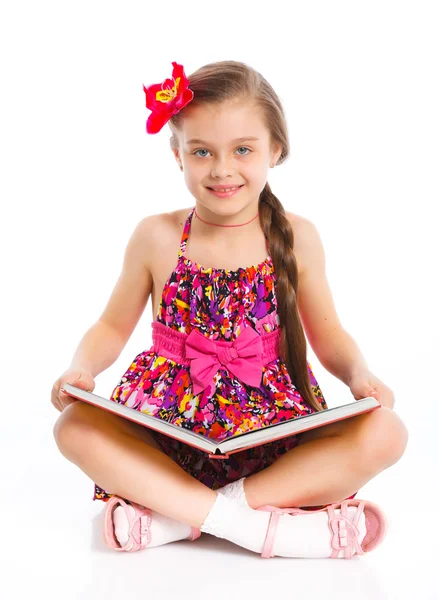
<point x="293" y="348"/>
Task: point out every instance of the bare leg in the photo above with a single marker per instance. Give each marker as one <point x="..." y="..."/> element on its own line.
<point x="105" y="449"/>
<point x="334" y="462"/>
<point x="319" y="472"/>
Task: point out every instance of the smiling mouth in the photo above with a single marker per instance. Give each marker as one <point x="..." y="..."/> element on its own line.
<point x="227" y="188"/>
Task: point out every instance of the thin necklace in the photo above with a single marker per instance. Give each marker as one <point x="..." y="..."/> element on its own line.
<point x="217" y="224"/>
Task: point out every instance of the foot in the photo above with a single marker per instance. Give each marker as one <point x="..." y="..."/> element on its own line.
<point x="339" y="530"/>
<point x="130" y="527"/>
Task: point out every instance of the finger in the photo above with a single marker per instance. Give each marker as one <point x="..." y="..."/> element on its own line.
<point x="54" y="395"/>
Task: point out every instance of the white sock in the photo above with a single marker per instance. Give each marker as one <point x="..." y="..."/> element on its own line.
<point x="163" y="529"/>
<point x="235" y="491"/>
<point x="300" y="536"/>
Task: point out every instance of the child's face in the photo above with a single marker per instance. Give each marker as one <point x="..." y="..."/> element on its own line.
<point x="221" y="161"/>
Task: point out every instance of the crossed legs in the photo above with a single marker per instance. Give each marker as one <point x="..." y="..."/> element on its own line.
<point x="329" y="464"/>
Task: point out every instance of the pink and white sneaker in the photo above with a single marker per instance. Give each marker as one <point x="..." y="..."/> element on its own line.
<point x="344" y="531"/>
<point x="139" y="519"/>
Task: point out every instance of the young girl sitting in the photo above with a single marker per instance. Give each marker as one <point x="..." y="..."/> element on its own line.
<point x="235" y="260"/>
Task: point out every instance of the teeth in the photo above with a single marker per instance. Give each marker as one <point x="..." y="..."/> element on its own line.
<point x="227" y="190"/>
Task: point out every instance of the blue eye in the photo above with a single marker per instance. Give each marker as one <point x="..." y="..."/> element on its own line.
<point x="203" y="149"/>
<point x="195" y="153"/>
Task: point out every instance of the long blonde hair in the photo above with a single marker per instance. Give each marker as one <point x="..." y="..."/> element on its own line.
<point x="228" y="80"/>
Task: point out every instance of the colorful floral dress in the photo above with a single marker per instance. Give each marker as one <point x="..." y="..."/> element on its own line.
<point x="220" y="304"/>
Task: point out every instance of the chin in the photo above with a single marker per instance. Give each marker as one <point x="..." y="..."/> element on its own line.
<point x="226" y="208"/>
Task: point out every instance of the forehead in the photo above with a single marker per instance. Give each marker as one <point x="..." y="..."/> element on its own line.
<point x="222" y="124"/>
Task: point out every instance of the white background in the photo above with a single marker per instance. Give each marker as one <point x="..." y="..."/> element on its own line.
<point x="359" y="85"/>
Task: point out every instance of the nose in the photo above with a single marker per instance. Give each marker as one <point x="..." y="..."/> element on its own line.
<point x="221" y="168"/>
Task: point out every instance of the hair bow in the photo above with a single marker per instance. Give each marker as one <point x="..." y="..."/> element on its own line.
<point x="243" y="358"/>
<point x="167" y="98"/>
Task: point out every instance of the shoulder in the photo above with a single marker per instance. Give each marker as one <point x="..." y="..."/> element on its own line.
<point x="307" y="241"/>
<point x="166" y="221"/>
<point x="154" y="233"/>
<point x="308" y="246"/>
<point x="303" y="228"/>
<point x="298" y="222"/>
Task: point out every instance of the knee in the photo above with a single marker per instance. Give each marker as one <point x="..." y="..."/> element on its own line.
<point x="383" y="438"/>
<point x="73" y="427"/>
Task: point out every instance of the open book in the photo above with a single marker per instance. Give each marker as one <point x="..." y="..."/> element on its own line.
<point x="238" y="442"/>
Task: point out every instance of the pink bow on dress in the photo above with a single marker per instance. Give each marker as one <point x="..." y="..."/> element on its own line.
<point x="243" y="358"/>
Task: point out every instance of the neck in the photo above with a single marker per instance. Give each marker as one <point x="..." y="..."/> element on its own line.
<point x="228" y="239"/>
<point x="209" y="220"/>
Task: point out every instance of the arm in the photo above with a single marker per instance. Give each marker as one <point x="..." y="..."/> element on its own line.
<point x="102" y="344"/>
<point x="334" y="347"/>
<point x="341" y="356"/>
<point x="98" y="349"/>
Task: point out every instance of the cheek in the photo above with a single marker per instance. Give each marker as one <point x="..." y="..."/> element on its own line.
<point x="194" y="182"/>
<point x="194" y="178"/>
<point x="195" y="171"/>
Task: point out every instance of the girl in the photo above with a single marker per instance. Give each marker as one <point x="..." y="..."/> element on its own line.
<point x="228" y="128"/>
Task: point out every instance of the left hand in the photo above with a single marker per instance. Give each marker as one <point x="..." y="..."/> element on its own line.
<point x="367" y="384"/>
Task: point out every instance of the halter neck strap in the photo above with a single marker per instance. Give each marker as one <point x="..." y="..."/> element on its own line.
<point x="186" y="231"/>
<point x="185" y="234"/>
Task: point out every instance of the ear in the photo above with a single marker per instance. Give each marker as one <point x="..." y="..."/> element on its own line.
<point x="176" y="153"/>
<point x="276" y="153"/>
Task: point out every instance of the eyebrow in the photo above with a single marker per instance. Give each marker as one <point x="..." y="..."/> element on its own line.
<point x="241" y="139"/>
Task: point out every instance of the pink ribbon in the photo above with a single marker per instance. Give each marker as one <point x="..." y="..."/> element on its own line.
<point x="243" y="358"/>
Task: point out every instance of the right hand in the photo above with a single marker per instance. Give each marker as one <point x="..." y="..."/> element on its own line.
<point x="79" y="378"/>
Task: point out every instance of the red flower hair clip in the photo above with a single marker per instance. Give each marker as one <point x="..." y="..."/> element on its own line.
<point x="167" y="98"/>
